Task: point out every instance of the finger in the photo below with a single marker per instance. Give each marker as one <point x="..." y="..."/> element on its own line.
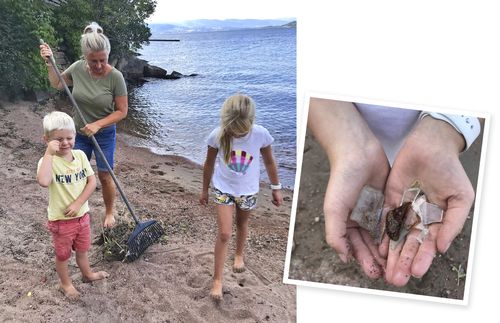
<point x="394" y="191"/>
<point x="336" y="234"/>
<point x="426" y="253"/>
<point x="367" y="238"/>
<point x="392" y="260"/>
<point x="363" y="255"/>
<point x="383" y="248"/>
<point x="453" y="219"/>
<point x="280" y="201"/>
<point x="402" y="269"/>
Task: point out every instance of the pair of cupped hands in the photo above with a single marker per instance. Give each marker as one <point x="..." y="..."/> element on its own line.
<point x="429" y="154"/>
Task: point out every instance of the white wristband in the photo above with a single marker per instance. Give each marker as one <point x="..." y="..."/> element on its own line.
<point x="275" y="187"/>
<point x="468" y="126"/>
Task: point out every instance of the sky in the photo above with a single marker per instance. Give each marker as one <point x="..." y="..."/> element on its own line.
<point x="168" y="11"/>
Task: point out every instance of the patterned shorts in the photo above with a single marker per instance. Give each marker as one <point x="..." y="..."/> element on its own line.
<point x="243" y="202"/>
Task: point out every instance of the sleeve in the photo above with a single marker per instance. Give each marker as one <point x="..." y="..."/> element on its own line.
<point x="69" y="71"/>
<point x="468" y="126"/>
<point x="85" y="163"/>
<point x="212" y="139"/>
<point x="267" y="139"/>
<point x="120" y="88"/>
<point x="38" y="166"/>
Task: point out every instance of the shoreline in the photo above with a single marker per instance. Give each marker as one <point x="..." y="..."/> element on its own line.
<point x="122" y="135"/>
<point x="180" y="159"/>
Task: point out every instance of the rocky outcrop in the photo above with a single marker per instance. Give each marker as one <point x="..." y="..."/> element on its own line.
<point x="132" y="69"/>
<point x="154" y="71"/>
<point x="135" y="70"/>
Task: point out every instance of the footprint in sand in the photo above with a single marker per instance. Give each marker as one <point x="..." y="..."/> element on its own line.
<point x="199" y="278"/>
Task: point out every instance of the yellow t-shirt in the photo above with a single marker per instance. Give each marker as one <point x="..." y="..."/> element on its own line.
<point x="68" y="181"/>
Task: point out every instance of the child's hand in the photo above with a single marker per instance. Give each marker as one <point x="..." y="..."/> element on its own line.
<point x="277" y="198"/>
<point x="72" y="210"/>
<point x="204" y="198"/>
<point x="52" y="147"/>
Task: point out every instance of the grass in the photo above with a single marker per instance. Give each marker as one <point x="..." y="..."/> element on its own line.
<point x="460" y="272"/>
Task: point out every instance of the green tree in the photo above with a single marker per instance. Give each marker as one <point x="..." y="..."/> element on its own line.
<point x="123" y="22"/>
<point x="22" y="24"/>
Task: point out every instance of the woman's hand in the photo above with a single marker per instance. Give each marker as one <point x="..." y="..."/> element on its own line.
<point x="356" y="159"/>
<point x="45" y="52"/>
<point x="90" y="129"/>
<point x="429" y="155"/>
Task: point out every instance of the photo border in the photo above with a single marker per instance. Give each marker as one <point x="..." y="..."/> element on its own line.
<point x="301" y="131"/>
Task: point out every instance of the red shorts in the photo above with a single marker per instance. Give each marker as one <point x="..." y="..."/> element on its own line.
<point x="67" y="235"/>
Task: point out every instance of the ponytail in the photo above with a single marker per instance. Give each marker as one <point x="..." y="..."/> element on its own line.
<point x="237" y="118"/>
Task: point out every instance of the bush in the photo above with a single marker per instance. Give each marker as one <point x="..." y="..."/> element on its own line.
<point x="23" y="23"/>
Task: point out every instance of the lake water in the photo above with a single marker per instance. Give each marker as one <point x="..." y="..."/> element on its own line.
<point x="175" y="116"/>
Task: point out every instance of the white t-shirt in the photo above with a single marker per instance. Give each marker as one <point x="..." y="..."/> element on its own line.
<point x="392" y="125"/>
<point x="389" y="125"/>
<point x="241" y="176"/>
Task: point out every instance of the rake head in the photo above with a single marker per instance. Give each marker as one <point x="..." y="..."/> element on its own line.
<point x="144" y="235"/>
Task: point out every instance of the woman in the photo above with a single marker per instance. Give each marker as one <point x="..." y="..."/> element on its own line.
<point x="101" y="94"/>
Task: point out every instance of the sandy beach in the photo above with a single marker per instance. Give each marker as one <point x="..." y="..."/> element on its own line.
<point x="171" y="281"/>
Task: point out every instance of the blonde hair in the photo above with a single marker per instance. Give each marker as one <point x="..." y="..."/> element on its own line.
<point x="57" y="120"/>
<point x="94" y="40"/>
<point x="237" y="116"/>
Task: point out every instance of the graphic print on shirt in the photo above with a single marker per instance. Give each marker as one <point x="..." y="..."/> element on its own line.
<point x="71" y="176"/>
<point x="240" y="161"/>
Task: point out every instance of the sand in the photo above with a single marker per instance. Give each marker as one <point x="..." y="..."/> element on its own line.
<point x="171" y="281"/>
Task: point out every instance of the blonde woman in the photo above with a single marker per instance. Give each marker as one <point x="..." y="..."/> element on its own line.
<point x="236" y="145"/>
<point x="101" y="94"/>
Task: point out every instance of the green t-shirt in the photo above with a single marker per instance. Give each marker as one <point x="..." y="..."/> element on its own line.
<point x="95" y="97"/>
<point x="68" y="182"/>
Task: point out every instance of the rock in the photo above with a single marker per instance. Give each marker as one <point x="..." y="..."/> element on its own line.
<point x="174" y="75"/>
<point x="132" y="68"/>
<point x="154" y="71"/>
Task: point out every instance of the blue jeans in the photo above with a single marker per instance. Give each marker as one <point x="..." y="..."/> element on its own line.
<point x="106" y="138"/>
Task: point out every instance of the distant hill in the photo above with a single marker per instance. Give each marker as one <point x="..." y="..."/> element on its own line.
<point x="292" y="24"/>
<point x="204" y="25"/>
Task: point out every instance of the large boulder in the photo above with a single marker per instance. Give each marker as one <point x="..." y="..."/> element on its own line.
<point x="132" y="68"/>
<point x="154" y="71"/>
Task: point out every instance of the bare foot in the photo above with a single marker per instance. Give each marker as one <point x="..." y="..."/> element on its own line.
<point x="109" y="221"/>
<point x="95" y="276"/>
<point x="239" y="264"/>
<point x="216" y="292"/>
<point x="70" y="292"/>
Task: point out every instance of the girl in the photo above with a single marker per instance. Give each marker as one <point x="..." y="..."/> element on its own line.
<point x="236" y="144"/>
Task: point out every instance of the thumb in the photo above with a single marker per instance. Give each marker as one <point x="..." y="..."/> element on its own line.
<point x="453" y="219"/>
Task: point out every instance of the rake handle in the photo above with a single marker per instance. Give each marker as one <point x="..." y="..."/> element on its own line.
<point x="94" y="141"/>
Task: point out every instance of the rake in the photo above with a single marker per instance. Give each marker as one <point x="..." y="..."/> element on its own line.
<point x="145" y="233"/>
